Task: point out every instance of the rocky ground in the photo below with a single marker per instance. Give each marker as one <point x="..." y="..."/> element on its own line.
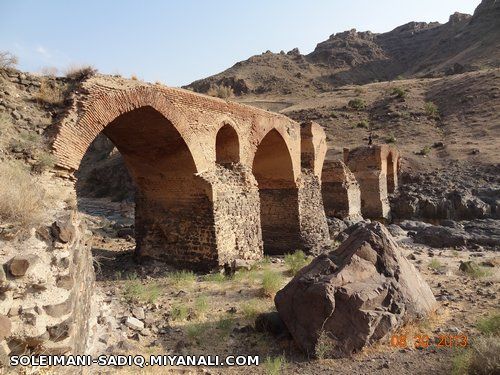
<point x="151" y="308"/>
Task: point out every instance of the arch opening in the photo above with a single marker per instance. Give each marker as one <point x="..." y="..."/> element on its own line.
<point x="173" y="207"/>
<point x="391" y="183"/>
<point x="227" y="146"/>
<point x="278" y="193"/>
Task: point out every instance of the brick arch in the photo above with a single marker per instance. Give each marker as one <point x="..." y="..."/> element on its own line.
<point x="73" y="138"/>
<point x="272" y="167"/>
<point x="292" y="145"/>
<point x="228" y="145"/>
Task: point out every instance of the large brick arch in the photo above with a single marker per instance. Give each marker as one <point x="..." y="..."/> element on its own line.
<point x="73" y="139"/>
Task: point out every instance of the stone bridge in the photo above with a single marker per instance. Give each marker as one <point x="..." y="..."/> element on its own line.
<point x="216" y="181"/>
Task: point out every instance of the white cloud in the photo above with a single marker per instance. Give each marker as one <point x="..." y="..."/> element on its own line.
<point x="43" y="51"/>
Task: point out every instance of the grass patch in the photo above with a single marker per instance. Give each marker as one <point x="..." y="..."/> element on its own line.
<point x="196" y="331"/>
<point x="182" y="278"/>
<point x="431" y="110"/>
<point x="135" y="290"/>
<point x="435" y="265"/>
<point x="474" y="270"/>
<point x="271" y="283"/>
<point x="275" y="365"/>
<point x="252" y="308"/>
<point x="489" y="325"/>
<point x="481" y="358"/>
<point x="425" y="151"/>
<point x="324" y="346"/>
<point x="398" y="92"/>
<point x="21" y="196"/>
<point x="358" y="90"/>
<point x="356" y="103"/>
<point x="201" y="305"/>
<point x="225" y="325"/>
<point x="49" y="92"/>
<point x="296" y="261"/>
<point x="179" y="312"/>
<point x="215" y="277"/>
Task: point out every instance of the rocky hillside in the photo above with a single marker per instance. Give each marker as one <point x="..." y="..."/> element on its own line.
<point x="416" y="49"/>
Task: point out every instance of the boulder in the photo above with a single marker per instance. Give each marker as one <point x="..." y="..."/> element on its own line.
<point x="439" y="236"/>
<point x="354" y="295"/>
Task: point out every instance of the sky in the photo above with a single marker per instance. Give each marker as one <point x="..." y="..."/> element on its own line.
<point x="177" y="42"/>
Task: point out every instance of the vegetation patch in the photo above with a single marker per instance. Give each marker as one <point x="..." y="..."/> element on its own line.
<point x="431" y="110"/>
<point x="220" y="91"/>
<point x="356" y="103"/>
<point x="296" y="261"/>
<point x="21" y="196"/>
<point x="135" y="290"/>
<point x="275" y="365"/>
<point x="271" y="283"/>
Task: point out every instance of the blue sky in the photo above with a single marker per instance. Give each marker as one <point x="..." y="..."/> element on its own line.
<point x="177" y="42"/>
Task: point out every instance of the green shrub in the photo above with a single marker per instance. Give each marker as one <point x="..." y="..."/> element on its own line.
<point x="435" y="265"/>
<point x="275" y="365"/>
<point x="179" y="312"/>
<point x="356" y="103"/>
<point x="271" y="283"/>
<point x="431" y="110"/>
<point x="296" y="261"/>
<point x="398" y="92"/>
<point x="252" y="308"/>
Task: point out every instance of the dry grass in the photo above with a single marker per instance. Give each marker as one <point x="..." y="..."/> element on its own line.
<point x="49" y="92"/>
<point x="80" y="72"/>
<point x="220" y="91"/>
<point x="21" y="196"/>
<point x="8" y="60"/>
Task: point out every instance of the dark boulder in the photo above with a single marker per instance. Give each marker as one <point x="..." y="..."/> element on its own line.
<point x="354" y="295"/>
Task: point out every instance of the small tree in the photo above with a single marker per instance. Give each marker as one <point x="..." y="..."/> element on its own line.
<point x="8" y="60"/>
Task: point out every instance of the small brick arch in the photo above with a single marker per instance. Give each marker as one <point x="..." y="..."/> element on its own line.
<point x="227" y="145"/>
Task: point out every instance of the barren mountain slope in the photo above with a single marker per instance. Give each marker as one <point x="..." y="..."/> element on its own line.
<point x="415" y="49"/>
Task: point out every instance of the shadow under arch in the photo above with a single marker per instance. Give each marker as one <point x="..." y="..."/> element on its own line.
<point x="278" y="193"/>
<point x="174" y="219"/>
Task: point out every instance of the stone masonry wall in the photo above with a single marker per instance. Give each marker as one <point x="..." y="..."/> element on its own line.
<point x="280" y="220"/>
<point x="236" y="212"/>
<point x="46" y="285"/>
<point x="341" y="192"/>
<point x="181" y="235"/>
<point x="313" y="224"/>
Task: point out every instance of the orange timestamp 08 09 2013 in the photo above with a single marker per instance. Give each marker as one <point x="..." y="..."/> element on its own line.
<point x="421" y="341"/>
